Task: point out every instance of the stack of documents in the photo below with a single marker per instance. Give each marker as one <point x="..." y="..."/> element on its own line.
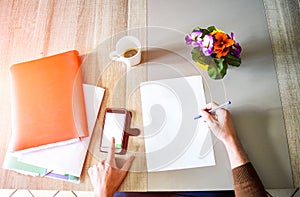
<point x="53" y="116"/>
<point x="64" y="162"/>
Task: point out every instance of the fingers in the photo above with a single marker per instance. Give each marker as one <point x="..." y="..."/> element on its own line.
<point x="128" y="163"/>
<point x="92" y="171"/>
<point x="209" y="106"/>
<point x="111" y="153"/>
<point x="206" y="117"/>
<point x="209" y="120"/>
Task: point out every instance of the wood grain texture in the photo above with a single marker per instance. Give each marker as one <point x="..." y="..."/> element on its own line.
<point x="137" y="17"/>
<point x="34" y="29"/>
<point x="283" y="19"/>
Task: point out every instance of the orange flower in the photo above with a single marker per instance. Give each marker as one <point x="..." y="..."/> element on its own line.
<point x="222" y="44"/>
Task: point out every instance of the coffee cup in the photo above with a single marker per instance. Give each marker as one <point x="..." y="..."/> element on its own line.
<point x="128" y="51"/>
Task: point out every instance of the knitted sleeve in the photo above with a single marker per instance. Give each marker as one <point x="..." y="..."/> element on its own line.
<point x="247" y="182"/>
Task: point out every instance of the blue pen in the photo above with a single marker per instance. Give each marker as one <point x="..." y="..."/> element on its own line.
<point x="214" y="109"/>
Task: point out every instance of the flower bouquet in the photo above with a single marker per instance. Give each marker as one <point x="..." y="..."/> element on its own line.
<point x="214" y="50"/>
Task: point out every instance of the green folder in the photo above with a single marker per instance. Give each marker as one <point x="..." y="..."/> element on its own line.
<point x="11" y="162"/>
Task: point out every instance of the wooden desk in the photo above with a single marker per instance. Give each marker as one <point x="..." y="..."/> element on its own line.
<point x="33" y="29"/>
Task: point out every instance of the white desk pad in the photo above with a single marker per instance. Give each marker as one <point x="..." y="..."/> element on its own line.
<point x="256" y="108"/>
<point x="173" y="139"/>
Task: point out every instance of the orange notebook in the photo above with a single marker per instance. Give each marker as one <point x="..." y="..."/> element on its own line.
<point x="47" y="102"/>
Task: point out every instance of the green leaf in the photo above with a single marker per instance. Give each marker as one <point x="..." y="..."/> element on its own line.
<point x="219" y="61"/>
<point x="200" y="58"/>
<point x="224" y="70"/>
<point x="197" y="28"/>
<point x="232" y="60"/>
<point x="218" y="70"/>
<point x="204" y="32"/>
<point x="211" y="29"/>
<point x="212" y="72"/>
<point x="196" y="54"/>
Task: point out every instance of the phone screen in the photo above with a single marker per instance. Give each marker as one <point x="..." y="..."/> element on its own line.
<point x="114" y="124"/>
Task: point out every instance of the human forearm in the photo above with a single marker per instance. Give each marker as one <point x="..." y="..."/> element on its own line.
<point x="236" y="154"/>
<point x="245" y="179"/>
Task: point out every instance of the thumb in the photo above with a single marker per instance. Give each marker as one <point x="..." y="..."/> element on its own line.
<point x="128" y="163"/>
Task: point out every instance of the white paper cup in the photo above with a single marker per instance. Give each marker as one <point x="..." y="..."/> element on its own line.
<point x="128" y="51"/>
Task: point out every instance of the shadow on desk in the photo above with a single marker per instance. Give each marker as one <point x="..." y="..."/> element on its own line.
<point x="176" y="194"/>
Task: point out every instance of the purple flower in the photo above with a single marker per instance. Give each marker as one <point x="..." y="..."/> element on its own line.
<point x="207" y="43"/>
<point x="236" y="50"/>
<point x="194" y="39"/>
<point x="232" y="35"/>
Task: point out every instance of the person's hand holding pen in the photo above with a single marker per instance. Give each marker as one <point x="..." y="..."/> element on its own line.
<point x="220" y="123"/>
<point x="246" y="181"/>
<point x="106" y="177"/>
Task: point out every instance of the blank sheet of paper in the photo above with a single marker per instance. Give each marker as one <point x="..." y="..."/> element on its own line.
<point x="173" y="139"/>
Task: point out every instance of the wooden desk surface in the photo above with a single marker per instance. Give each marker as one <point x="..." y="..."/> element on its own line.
<point x="34" y="29"/>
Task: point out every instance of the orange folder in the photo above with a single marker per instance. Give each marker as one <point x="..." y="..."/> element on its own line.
<point x="47" y="102"/>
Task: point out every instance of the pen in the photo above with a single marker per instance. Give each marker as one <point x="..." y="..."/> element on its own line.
<point x="214" y="109"/>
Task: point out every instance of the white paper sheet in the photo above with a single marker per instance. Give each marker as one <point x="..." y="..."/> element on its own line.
<point x="173" y="139"/>
<point x="69" y="159"/>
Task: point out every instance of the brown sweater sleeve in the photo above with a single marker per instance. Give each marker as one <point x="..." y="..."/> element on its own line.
<point x="246" y="182"/>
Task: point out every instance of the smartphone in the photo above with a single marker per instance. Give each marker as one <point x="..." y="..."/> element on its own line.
<point x="115" y="124"/>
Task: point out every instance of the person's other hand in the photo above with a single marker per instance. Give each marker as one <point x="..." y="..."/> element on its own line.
<point x="106" y="177"/>
<point x="219" y="122"/>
